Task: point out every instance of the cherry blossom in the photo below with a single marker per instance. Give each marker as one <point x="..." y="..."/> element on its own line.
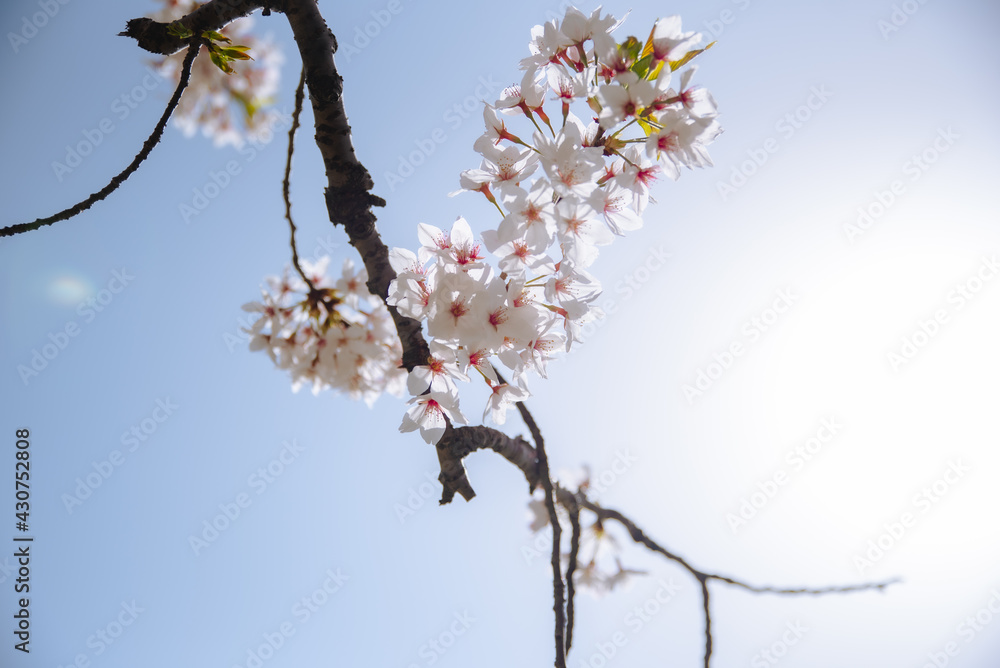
<point x="668" y="42"/>
<point x="326" y="340"/>
<point x="501" y="397"/>
<point x="516" y="292"/>
<point x="427" y="413"/>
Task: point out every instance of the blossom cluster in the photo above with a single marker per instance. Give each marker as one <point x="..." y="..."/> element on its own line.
<point x="228" y="108"/>
<point x="574" y="187"/>
<point x="329" y="334"/>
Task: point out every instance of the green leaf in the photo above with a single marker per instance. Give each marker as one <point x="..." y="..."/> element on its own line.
<point x="179" y="30"/>
<point x="215" y="36"/>
<point x="630" y="49"/>
<point x="641" y="66"/>
<point x="221" y="63"/>
<point x="233" y="54"/>
<point x="677" y="64"/>
<point x="647" y="126"/>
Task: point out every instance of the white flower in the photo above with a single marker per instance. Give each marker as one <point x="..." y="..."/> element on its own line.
<point x="428" y="412"/>
<point x="531" y="217"/>
<point x="682" y="141"/>
<point x="501" y="397"/>
<point x="571" y="167"/>
<point x="697" y="100"/>
<point x="619" y="102"/>
<point x="669" y="43"/>
<point x="439" y="374"/>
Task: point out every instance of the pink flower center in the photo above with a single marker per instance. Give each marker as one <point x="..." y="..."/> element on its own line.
<point x="498" y="317"/>
<point x="467" y="254"/>
<point x="458" y="308"/>
<point x="667" y="143"/>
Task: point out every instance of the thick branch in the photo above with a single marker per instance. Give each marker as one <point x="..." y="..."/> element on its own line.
<point x="459" y="442"/>
<point x="153" y="36"/>
<point x="348" y="197"/>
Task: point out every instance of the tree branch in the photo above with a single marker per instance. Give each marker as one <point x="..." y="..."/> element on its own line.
<point x="286" y="182"/>
<point x="147" y="148"/>
<point x="574" y="553"/>
<point x="550" y="505"/>
<point x="348" y="197"/>
<point x="703" y="578"/>
<point x="153" y="36"/>
<point x="457" y="443"/>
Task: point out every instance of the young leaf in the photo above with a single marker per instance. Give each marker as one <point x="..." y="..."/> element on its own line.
<point x="677" y="64"/>
<point x="221" y="62"/>
<point x="215" y="36"/>
<point x="179" y="30"/>
<point x="233" y="54"/>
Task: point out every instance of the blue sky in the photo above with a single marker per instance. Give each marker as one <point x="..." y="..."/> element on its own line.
<point x="845" y="243"/>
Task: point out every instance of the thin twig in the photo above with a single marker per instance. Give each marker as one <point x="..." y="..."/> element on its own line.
<point x="285" y="184"/>
<point x="706" y="601"/>
<point x="574" y="553"/>
<point x="550" y="505"/>
<point x="810" y="591"/>
<point x="703" y="578"/>
<point x="147" y="148"/>
<point x="562" y="643"/>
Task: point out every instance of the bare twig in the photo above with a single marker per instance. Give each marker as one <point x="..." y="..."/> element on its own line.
<point x="703" y="578"/>
<point x="286" y="182"/>
<point x="147" y="148"/>
<point x="550" y="505"/>
<point x="706" y="606"/>
<point x="574" y="553"/>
